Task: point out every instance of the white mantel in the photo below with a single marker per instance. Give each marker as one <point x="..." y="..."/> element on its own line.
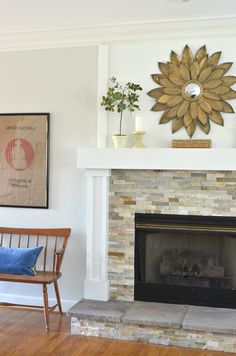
<point x="98" y="162"/>
<point x="157" y="158"/>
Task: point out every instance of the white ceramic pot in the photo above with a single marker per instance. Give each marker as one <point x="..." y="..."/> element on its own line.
<point x="120" y="141"/>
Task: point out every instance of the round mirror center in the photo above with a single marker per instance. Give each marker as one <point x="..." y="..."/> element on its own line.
<point x="192" y="90"/>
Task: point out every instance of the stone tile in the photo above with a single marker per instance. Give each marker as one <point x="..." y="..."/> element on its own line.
<point x="111" y="311"/>
<point x="155" y="314"/>
<point x="216" y="320"/>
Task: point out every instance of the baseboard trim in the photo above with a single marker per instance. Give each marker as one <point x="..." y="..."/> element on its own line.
<point x="30" y="300"/>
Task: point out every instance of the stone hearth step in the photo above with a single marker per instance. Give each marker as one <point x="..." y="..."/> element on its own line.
<point x="155" y="314"/>
<point x="111" y="311"/>
<point x="216" y="320"/>
<point x="168" y="324"/>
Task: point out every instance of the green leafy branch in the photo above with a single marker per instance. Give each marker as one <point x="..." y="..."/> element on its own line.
<point x="120" y="98"/>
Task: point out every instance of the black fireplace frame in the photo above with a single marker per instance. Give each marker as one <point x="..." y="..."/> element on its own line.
<point x="155" y="292"/>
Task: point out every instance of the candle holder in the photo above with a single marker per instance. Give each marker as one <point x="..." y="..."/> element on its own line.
<point x="139" y="139"/>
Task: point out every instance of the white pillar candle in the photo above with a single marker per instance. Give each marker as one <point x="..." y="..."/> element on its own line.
<point x="138" y="123"/>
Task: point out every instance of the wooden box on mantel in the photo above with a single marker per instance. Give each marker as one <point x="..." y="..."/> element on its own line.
<point x="191" y="144"/>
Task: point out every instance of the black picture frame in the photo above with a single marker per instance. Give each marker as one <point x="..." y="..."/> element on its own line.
<point x="24" y="160"/>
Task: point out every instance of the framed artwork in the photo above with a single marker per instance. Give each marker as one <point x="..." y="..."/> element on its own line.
<point x="24" y="140"/>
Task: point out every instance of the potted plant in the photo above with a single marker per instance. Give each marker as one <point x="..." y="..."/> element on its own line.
<point x="118" y="99"/>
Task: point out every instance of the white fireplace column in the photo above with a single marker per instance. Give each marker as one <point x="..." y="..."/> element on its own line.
<point x="96" y="284"/>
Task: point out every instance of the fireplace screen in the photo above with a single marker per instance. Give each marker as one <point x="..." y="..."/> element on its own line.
<point x="185" y="259"/>
<point x="190" y="260"/>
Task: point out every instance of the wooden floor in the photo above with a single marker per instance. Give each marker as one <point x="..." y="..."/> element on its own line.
<point x="22" y="333"/>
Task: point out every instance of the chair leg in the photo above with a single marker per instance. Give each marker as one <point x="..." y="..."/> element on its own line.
<point x="58" y="297"/>
<point x="46" y="308"/>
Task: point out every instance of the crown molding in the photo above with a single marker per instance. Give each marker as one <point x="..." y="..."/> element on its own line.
<point x="60" y="38"/>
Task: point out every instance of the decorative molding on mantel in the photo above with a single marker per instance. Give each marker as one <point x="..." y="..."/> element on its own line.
<point x="75" y="37"/>
<point x="157" y="158"/>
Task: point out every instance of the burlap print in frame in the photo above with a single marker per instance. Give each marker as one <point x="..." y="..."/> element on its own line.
<point x="24" y="140"/>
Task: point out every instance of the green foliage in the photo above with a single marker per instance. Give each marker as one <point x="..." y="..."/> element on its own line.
<point x="120" y="98"/>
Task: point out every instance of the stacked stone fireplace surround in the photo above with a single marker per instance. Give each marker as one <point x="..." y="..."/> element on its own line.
<point x="161" y="192"/>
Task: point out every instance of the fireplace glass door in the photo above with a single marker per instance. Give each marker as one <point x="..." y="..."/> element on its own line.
<point x="185" y="265"/>
<point x="186" y="259"/>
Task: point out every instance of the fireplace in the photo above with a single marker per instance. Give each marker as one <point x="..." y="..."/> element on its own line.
<point x="185" y="259"/>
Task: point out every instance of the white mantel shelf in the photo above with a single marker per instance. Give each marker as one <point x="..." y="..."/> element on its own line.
<point x="157" y="158"/>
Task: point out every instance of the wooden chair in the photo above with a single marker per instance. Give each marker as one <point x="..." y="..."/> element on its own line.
<point x="48" y="264"/>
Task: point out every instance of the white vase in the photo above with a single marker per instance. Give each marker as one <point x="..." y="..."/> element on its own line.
<point x="120" y="141"/>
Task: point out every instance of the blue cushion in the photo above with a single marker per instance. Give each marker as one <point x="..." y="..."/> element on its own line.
<point x="19" y="260"/>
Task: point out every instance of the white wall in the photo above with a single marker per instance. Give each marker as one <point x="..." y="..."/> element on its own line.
<point x="64" y="83"/>
<point x="136" y="61"/>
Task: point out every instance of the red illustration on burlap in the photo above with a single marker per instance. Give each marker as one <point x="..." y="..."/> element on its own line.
<point x="19" y="154"/>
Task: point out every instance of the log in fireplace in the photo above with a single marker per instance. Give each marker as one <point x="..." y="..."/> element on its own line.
<point x="185" y="259"/>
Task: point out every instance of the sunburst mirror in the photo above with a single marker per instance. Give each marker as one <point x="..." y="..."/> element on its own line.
<point x="193" y="90"/>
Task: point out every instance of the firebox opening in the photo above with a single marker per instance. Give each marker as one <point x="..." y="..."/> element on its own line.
<point x="187" y="260"/>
